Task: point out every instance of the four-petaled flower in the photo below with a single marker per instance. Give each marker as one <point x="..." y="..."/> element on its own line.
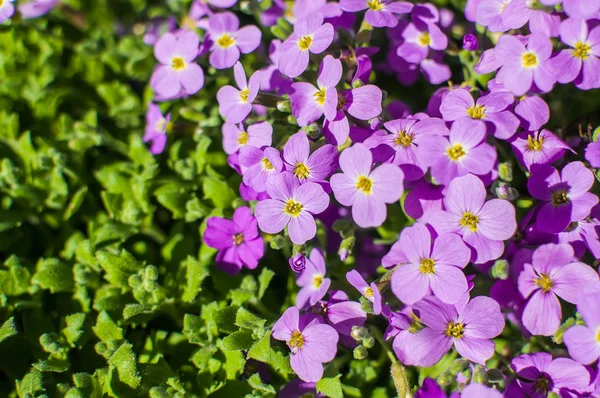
<point x="236" y="104"/>
<point x="228" y="40"/>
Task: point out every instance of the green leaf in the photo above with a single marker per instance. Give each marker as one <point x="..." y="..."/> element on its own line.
<point x="106" y="329"/>
<point x="76" y="331"/>
<point x="262" y="352"/>
<point x="31" y="384"/>
<point x="257" y="384"/>
<point x="196" y="273"/>
<point x="331" y="387"/>
<point x="234" y="364"/>
<point x="246" y="319"/>
<point x="8" y="329"/>
<point x="218" y="191"/>
<point x="52" y="365"/>
<point x="125" y="362"/>
<point x="237" y="341"/>
<point x="118" y="267"/>
<point x="191" y="328"/>
<point x="263" y="281"/>
<point x="88" y="385"/>
<point x="225" y="319"/>
<point x="174" y="197"/>
<point x="54" y="275"/>
<point x="15" y="281"/>
<point x="75" y="203"/>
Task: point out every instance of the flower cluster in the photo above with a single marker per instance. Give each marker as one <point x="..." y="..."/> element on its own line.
<point x="490" y="219"/>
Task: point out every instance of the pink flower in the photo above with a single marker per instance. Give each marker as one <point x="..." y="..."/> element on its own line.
<point x="229" y="40"/>
<point x="236" y="104"/>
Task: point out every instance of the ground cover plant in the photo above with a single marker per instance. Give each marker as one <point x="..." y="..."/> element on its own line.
<point x="246" y="198"/>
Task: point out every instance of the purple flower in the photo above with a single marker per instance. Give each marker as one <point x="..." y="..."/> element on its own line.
<point x="518" y="12"/>
<point x="491" y="109"/>
<point x="315" y="167"/>
<point x="470" y="42"/>
<point x="157" y="127"/>
<point x="343" y="314"/>
<point x="370" y="292"/>
<point x="298" y="263"/>
<point x="229" y="40"/>
<point x="310" y="103"/>
<point x="310" y="36"/>
<point x="523" y="66"/>
<point x="538" y="374"/>
<point x="581" y="62"/>
<point x="292" y="205"/>
<point x="235" y="137"/>
<point x="483" y="225"/>
<point x="36" y="8"/>
<point x="261" y="165"/>
<point x="235" y="105"/>
<point x="538" y="147"/>
<point x="489" y="13"/>
<point x="464" y="151"/>
<point x="380" y="13"/>
<point x="592" y="154"/>
<point x="533" y="112"/>
<point x="423" y="200"/>
<point x="6" y="10"/>
<point x="430" y="389"/>
<point x="551" y="274"/>
<point x="479" y="391"/>
<point x="583" y="342"/>
<point x="566" y="195"/>
<point x="468" y="329"/>
<point x="366" y="191"/>
<point x="311" y="343"/>
<point x="576" y="8"/>
<point x="312" y="280"/>
<point x="177" y="71"/>
<point x="237" y="240"/>
<point x="429" y="264"/>
<point x="418" y="39"/>
<point x="400" y="147"/>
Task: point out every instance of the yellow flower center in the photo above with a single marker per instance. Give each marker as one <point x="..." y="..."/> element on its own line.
<point x="582" y="50"/>
<point x="455" y="330"/>
<point x="293" y="208"/>
<point x="529" y="60"/>
<point x="535" y="144"/>
<point x="317" y="281"/>
<point x="598" y="335"/>
<point x="559" y="197"/>
<point x="244" y="94"/>
<point x="375" y="5"/>
<point x="242" y="138"/>
<point x="267" y="165"/>
<point x="469" y="220"/>
<point x="186" y="22"/>
<point x="160" y="125"/>
<point x="424" y="39"/>
<point x="427" y="266"/>
<point x="225" y="41"/>
<point x="364" y="184"/>
<point x="476" y="112"/>
<point x="238" y="239"/>
<point x="544" y="282"/>
<point x="403" y="139"/>
<point x="504" y="4"/>
<point x="320" y="96"/>
<point x="296" y="341"/>
<point x="368" y="293"/>
<point x="301" y="171"/>
<point x="177" y="63"/>
<point x="456" y="152"/>
<point x="305" y="42"/>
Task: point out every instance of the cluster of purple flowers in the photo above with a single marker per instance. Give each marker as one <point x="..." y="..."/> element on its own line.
<point x="27" y="9"/>
<point x="355" y="155"/>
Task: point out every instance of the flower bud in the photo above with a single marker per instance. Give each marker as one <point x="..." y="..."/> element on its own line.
<point x="500" y="269"/>
<point x="346" y="247"/>
<point x="459" y="365"/>
<point x="358" y="333"/>
<point x="278" y="242"/>
<point x="284" y="106"/>
<point x="505" y="171"/>
<point x="479" y="375"/>
<point x="506" y="192"/>
<point x="369" y="342"/>
<point x="470" y="42"/>
<point x="360" y="352"/>
<point x="357" y="83"/>
<point x="495" y="376"/>
<point x="446" y="378"/>
<point x="151" y="273"/>
<point x="298" y="263"/>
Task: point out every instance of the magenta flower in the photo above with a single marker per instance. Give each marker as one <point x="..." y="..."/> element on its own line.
<point x="235" y="137"/>
<point x="566" y="195"/>
<point x="370" y="292"/>
<point x="260" y="165"/>
<point x="401" y="146"/>
<point x="229" y="40"/>
<point x="551" y="274"/>
<point x="580" y="63"/>
<point x="475" y="390"/>
<point x="423" y="200"/>
<point x="310" y="103"/>
<point x="235" y="105"/>
<point x="6" y="10"/>
<point x="341" y="313"/>
<point x="366" y="191"/>
<point x="464" y="151"/>
<point x="237" y="240"/>
<point x="311" y="343"/>
<point x="519" y="12"/>
<point x="36" y="8"/>
<point x="592" y="154"/>
<point x="576" y="8"/>
<point x="523" y="66"/>
<point x="310" y="36"/>
<point x="491" y="109"/>
<point x="470" y="42"/>
<point x="312" y="281"/>
<point x="533" y="112"/>
<point x="482" y="225"/>
<point x="177" y="71"/>
<point x="538" y="147"/>
<point x="292" y="205"/>
<point x="315" y="167"/>
<point x="380" y="13"/>
<point x="538" y="374"/>
<point x="157" y="127"/>
<point x="418" y="39"/>
<point x="469" y="329"/>
<point x="429" y="264"/>
<point x="583" y="342"/>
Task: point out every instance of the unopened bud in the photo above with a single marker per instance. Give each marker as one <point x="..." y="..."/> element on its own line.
<point x="375" y="123"/>
<point x="151" y="273"/>
<point x="506" y="192"/>
<point x="369" y="342"/>
<point x="278" y="242"/>
<point x="479" y="375"/>
<point x="346" y="247"/>
<point x="358" y="333"/>
<point x="505" y="171"/>
<point x="470" y="42"/>
<point x="298" y="263"/>
<point x="495" y="376"/>
<point x="284" y="106"/>
<point x="500" y="269"/>
<point x="357" y="83"/>
<point x="360" y="352"/>
<point x="459" y="365"/>
<point x="446" y="378"/>
<point x="313" y="131"/>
